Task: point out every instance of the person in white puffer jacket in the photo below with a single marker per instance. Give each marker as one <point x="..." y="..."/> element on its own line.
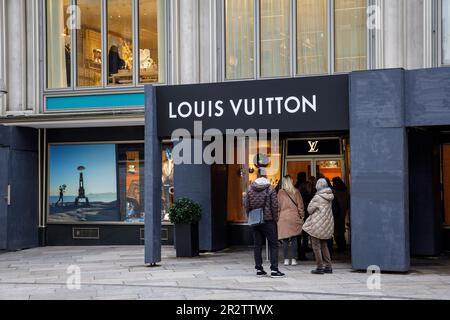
<point x="320" y="226"/>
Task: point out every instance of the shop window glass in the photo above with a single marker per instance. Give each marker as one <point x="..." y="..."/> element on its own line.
<point x="58" y="45"/>
<point x="446" y="31"/>
<point x="89" y="44"/>
<point x="350" y="35"/>
<point x="131" y="182"/>
<point x="240" y="177"/>
<point x="96" y="183"/>
<point x="120" y="42"/>
<point x="239" y="39"/>
<point x="167" y="182"/>
<point x="275" y="38"/>
<point x="312" y="37"/>
<point x="151" y="41"/>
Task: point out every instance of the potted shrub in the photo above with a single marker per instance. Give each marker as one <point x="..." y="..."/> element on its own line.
<point x="185" y="215"/>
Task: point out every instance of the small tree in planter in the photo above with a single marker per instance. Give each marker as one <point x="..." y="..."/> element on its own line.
<point x="185" y="215"/>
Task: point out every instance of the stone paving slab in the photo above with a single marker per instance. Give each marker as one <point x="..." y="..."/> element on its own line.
<point x="119" y="273"/>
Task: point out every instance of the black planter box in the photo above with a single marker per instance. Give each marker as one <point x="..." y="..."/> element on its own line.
<point x="186" y="240"/>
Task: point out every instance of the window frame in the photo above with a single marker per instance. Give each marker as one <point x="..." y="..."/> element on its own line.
<point x="440" y="46"/>
<point x="48" y="191"/>
<point x="293" y="43"/>
<point x="105" y="86"/>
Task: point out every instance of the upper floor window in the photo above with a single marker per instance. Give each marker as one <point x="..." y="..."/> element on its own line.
<point x="294" y="37"/>
<point x="100" y="43"/>
<point x="446" y="31"/>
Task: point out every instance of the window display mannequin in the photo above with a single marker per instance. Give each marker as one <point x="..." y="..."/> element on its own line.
<point x="115" y="61"/>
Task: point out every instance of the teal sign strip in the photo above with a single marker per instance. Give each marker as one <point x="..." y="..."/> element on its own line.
<point x="95" y="101"/>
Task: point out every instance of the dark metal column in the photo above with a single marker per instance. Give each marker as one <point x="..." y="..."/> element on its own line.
<point x="153" y="183"/>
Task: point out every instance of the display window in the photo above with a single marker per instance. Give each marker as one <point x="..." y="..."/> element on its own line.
<point x="316" y="26"/>
<point x="168" y="167"/>
<point x="104" y="42"/>
<point x="241" y="176"/>
<point x="96" y="183"/>
<point x="59" y="45"/>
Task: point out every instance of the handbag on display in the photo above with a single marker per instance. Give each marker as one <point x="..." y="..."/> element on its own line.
<point x="256" y="216"/>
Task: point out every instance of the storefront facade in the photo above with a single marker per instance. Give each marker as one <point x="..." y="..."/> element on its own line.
<point x="74" y="113"/>
<point x="396" y="122"/>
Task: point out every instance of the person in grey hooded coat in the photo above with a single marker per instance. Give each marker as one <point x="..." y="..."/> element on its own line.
<point x="320" y="226"/>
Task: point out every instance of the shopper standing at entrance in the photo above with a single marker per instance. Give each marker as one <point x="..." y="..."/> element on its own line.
<point x="290" y="222"/>
<point x="342" y="197"/>
<point x="306" y="191"/>
<point x="262" y="195"/>
<point x="320" y="226"/>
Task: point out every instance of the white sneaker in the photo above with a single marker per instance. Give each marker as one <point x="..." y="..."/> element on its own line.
<point x="286" y="262"/>
<point x="294" y="262"/>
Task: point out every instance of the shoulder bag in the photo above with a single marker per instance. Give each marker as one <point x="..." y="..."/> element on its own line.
<point x="256" y="216"/>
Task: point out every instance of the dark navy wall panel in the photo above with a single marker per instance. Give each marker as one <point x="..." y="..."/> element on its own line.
<point x="377" y="99"/>
<point x="95" y="134"/>
<point x="428" y="97"/>
<point x="20" y="160"/>
<point x="379" y="213"/>
<point x="379" y="172"/>
<point x="4" y="180"/>
<point x="194" y="182"/>
<point x="23" y="218"/>
<point x="206" y="185"/>
<point x="19" y="138"/>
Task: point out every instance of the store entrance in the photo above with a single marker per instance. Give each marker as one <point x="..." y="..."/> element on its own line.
<point x="314" y="168"/>
<point x="306" y="161"/>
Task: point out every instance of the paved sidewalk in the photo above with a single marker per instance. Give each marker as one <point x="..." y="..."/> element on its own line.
<point x="119" y="273"/>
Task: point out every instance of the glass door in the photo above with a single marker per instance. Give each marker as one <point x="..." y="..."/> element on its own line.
<point x="298" y="168"/>
<point x="329" y="168"/>
<point x="319" y="168"/>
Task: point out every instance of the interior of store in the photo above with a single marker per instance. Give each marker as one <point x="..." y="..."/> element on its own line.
<point x="120" y="24"/>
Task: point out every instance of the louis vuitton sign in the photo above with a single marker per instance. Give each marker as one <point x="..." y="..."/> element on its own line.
<point x="297" y="105"/>
<point x="314" y="147"/>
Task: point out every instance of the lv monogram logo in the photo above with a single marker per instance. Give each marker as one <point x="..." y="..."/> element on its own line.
<point x="313" y="146"/>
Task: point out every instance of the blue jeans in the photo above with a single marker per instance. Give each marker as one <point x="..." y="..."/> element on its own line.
<point x="294" y="246"/>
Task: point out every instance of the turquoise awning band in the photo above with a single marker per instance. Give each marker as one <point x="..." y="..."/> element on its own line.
<point x="100" y="101"/>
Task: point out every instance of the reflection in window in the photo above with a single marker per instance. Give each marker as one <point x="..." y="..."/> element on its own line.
<point x="275" y="38"/>
<point x="89" y="44"/>
<point x="120" y="42"/>
<point x="312" y="37"/>
<point x="240" y="39"/>
<point x="58" y="45"/>
<point x="151" y="41"/>
<point x="350" y="35"/>
<point x="167" y="182"/>
<point x="446" y="31"/>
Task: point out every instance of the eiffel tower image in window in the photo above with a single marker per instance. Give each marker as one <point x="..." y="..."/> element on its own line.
<point x="81" y="191"/>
